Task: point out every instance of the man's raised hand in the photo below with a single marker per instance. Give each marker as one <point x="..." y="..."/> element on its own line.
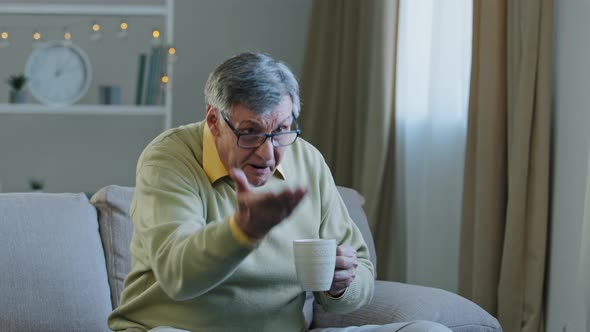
<point x="257" y="213"/>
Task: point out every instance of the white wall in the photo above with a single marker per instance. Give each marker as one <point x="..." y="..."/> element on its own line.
<point x="571" y="116"/>
<point x="84" y="153"/>
<point x="209" y="31"/>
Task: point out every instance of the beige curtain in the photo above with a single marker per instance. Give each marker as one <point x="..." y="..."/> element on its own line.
<point x="347" y="89"/>
<point x="506" y="197"/>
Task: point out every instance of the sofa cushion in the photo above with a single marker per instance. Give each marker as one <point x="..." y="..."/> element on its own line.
<point x="395" y="302"/>
<point x="53" y="269"/>
<point x="116" y="230"/>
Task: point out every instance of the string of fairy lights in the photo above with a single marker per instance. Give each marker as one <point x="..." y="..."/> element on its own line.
<point x="96" y="33"/>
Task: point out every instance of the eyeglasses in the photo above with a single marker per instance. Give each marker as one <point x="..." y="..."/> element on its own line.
<point x="253" y="141"/>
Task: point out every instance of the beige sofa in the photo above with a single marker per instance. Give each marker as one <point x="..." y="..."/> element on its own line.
<point x="63" y="261"/>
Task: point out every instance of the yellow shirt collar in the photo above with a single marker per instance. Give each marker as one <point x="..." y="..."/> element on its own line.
<point x="212" y="165"/>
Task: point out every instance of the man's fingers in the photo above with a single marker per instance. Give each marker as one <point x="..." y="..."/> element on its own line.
<point x="342" y="279"/>
<point x="345" y="250"/>
<point x="291" y="198"/>
<point x="258" y="212"/>
<point x="342" y="275"/>
<point x="240" y="179"/>
<point x="345" y="271"/>
<point x="343" y="262"/>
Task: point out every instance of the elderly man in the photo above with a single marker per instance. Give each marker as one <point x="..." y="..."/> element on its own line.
<point x="217" y="206"/>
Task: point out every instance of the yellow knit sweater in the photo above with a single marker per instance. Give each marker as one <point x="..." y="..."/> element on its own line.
<point x="189" y="270"/>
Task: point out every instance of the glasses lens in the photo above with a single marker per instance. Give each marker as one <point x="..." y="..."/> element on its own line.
<point x="251" y="141"/>
<point x="254" y="141"/>
<point x="284" y="139"/>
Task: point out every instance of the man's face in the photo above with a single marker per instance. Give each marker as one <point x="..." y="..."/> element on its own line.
<point x="258" y="163"/>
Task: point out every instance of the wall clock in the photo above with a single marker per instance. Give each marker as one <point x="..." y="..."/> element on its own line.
<point x="59" y="73"/>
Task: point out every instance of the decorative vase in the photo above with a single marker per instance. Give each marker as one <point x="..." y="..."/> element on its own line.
<point x="17" y="96"/>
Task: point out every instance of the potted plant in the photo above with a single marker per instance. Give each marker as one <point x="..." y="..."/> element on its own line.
<point x="36" y="184"/>
<point x="17" y="91"/>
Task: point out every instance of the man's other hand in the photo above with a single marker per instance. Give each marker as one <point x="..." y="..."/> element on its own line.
<point x="345" y="270"/>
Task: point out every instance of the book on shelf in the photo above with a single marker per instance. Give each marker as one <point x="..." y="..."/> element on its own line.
<point x="159" y="86"/>
<point x="141" y="69"/>
<point x="109" y="94"/>
<point x="149" y="88"/>
<point x="152" y="75"/>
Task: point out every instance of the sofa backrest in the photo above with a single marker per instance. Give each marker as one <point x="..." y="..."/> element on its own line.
<point x="354" y="203"/>
<point x="53" y="275"/>
<point x="116" y="229"/>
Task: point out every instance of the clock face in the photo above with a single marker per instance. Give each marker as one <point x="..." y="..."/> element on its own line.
<point x="59" y="73"/>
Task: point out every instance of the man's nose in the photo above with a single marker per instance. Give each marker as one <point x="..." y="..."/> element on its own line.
<point x="266" y="151"/>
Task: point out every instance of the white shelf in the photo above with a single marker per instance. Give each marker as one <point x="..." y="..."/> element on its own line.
<point x="83" y="109"/>
<point x="83" y="9"/>
<point x="165" y="10"/>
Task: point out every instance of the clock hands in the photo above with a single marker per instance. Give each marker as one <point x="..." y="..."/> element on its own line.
<point x="60" y="69"/>
<point x="62" y="66"/>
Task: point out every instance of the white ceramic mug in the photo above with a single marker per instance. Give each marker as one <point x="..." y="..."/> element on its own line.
<point x="315" y="260"/>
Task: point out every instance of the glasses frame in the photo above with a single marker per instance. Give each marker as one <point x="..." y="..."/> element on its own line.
<point x="297" y="131"/>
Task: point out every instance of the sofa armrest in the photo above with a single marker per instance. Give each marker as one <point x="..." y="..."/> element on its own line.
<point x="397" y="302"/>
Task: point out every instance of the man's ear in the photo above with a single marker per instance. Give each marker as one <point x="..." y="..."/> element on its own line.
<point x="212" y="117"/>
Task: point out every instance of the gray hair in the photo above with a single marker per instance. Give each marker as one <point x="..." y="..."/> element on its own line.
<point x="254" y="80"/>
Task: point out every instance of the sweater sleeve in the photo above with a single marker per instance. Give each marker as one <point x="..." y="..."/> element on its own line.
<point x="337" y="224"/>
<point x="188" y="254"/>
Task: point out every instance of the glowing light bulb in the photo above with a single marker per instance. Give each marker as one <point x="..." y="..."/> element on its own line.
<point x="4" y="39"/>
<point x="156" y="40"/>
<point x="164" y="79"/>
<point x="172" y="57"/>
<point x="96" y="34"/>
<point x="172" y="54"/>
<point x="36" y="35"/>
<point x="123" y="26"/>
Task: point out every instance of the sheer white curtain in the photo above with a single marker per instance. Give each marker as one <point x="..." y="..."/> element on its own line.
<point x="432" y="90"/>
